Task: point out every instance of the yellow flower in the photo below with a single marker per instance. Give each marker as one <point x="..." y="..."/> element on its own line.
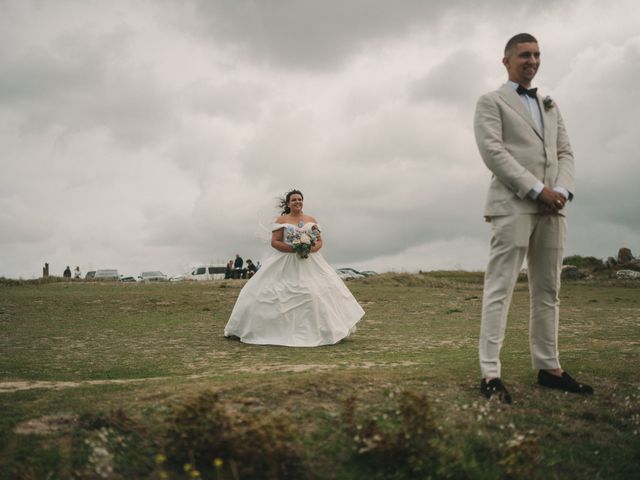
<point x="217" y="462"/>
<point x="195" y="474"/>
<point x="160" y="459"/>
<point x="187" y="467"/>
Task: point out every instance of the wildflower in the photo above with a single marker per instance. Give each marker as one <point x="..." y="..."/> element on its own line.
<point x="160" y="459"/>
<point x="217" y="462"/>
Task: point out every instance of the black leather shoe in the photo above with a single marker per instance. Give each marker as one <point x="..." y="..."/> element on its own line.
<point x="565" y="383"/>
<point x="495" y="387"/>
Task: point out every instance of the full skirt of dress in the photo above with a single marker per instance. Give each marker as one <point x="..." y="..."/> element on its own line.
<point x="294" y="302"/>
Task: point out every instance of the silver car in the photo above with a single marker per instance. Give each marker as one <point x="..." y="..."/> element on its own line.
<point x="348" y="273"/>
<point x="107" y="274"/>
<point x="154" y="276"/>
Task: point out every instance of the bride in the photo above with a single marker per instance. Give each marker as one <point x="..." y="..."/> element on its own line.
<point x="296" y="299"/>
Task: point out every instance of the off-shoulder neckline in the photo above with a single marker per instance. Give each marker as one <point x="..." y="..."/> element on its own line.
<point x="294" y="225"/>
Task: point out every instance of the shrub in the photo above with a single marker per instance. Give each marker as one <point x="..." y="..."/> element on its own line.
<point x="521" y="457"/>
<point x="112" y="444"/>
<point x="403" y="441"/>
<point x="255" y="444"/>
<point x="583" y="262"/>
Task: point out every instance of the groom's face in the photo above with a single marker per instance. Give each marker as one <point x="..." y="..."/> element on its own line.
<point x="522" y="63"/>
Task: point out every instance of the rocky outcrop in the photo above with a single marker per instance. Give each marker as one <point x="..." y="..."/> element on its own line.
<point x="624" y="255"/>
<point x="628" y="275"/>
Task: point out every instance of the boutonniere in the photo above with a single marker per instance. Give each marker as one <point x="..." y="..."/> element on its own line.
<point x="547" y="102"/>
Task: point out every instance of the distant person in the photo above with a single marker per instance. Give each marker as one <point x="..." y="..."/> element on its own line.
<point x="237" y="267"/>
<point x="77" y="274"/>
<point x="67" y="272"/>
<point x="523" y="141"/>
<point x="228" y="271"/>
<point x="296" y="299"/>
<point x="251" y="269"/>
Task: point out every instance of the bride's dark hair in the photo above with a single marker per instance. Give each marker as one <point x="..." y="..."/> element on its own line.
<point x="284" y="202"/>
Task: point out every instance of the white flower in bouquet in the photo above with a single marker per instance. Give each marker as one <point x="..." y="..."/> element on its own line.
<point x="304" y="238"/>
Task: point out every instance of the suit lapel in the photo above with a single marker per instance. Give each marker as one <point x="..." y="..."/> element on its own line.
<point x="512" y="99"/>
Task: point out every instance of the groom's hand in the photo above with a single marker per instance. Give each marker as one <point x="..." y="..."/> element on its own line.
<point x="553" y="201"/>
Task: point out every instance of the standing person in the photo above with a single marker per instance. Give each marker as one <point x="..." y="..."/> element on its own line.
<point x="523" y="141"/>
<point x="67" y="272"/>
<point x="76" y="273"/>
<point x="237" y="265"/>
<point x="296" y="299"/>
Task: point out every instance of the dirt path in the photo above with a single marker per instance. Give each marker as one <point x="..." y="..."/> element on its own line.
<point x="18" y="385"/>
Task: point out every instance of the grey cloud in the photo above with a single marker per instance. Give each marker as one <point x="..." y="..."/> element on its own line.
<point x="596" y="95"/>
<point x="450" y="81"/>
<point x="78" y="83"/>
<point x="21" y="224"/>
<point x="318" y="35"/>
<point x="234" y="101"/>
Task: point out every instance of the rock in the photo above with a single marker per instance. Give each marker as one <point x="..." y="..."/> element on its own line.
<point x="571" y="272"/>
<point x="624" y="255"/>
<point x="628" y="275"/>
<point x="611" y="262"/>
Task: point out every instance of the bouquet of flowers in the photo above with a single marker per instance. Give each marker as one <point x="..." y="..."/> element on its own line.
<point x="302" y="239"/>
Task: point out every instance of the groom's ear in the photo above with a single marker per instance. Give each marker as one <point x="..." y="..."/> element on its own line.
<point x="505" y="61"/>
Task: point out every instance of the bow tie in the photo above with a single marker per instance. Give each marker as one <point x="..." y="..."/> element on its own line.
<point x="526" y="91"/>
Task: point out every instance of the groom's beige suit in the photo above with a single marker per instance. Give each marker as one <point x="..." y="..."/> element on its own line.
<point x="520" y="155"/>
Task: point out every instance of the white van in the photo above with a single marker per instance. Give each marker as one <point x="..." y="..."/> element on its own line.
<point x="202" y="272"/>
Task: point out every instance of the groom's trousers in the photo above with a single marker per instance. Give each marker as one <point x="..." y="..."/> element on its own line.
<point x="541" y="239"/>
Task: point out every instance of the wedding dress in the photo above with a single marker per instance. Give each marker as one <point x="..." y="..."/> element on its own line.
<point x="293" y="301"/>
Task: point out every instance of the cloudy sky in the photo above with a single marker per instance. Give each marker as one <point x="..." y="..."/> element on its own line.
<point x="144" y="135"/>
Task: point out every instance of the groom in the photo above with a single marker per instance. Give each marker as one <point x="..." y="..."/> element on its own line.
<point x="523" y="141"/>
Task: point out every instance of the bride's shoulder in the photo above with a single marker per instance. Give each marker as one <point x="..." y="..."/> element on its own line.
<point x="279" y="222"/>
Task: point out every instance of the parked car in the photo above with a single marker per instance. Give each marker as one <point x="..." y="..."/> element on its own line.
<point x="127" y="278"/>
<point x="202" y="272"/>
<point x="154" y="276"/>
<point x="107" y="274"/>
<point x="348" y="273"/>
<point x="90" y="275"/>
<point x="368" y="273"/>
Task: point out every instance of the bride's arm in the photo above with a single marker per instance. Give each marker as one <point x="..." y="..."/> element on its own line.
<point x="277" y="242"/>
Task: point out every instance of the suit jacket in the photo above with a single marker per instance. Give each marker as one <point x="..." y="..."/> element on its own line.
<point x="518" y="154"/>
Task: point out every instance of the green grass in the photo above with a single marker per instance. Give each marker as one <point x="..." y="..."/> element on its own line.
<point x="91" y="349"/>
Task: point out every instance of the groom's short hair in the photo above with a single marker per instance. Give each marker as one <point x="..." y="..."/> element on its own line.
<point x="519" y="38"/>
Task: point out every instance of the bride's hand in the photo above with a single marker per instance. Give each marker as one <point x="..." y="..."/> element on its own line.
<point x="317" y="246"/>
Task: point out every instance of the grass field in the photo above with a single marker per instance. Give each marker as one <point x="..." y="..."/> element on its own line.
<point x="102" y="380"/>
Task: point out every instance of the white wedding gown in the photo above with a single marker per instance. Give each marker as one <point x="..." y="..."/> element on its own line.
<point x="295" y="302"/>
